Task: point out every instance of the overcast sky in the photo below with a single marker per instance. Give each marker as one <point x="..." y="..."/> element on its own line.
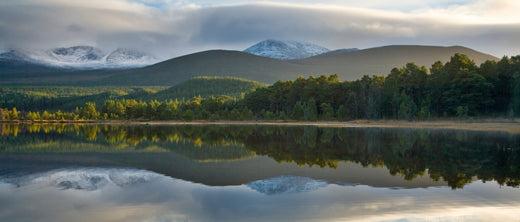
<point x="172" y="28"/>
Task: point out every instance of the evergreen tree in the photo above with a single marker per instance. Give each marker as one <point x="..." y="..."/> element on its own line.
<point x="407" y="107"/>
<point x="514" y="106"/>
<point x="310" y="111"/>
<point x="342" y="113"/>
<point x="297" y="112"/>
<point x="327" y="112"/>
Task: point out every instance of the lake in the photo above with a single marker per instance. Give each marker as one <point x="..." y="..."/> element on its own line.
<point x="89" y="172"/>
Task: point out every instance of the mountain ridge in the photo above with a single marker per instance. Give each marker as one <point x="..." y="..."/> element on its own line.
<point x="79" y="58"/>
<point x="348" y="65"/>
<point x="285" y="50"/>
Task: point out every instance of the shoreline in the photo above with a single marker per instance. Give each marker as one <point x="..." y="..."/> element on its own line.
<point x="501" y="125"/>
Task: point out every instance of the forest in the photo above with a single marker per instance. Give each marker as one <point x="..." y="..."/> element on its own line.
<point x="458" y="88"/>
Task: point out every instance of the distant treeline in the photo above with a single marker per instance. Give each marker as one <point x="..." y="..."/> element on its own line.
<point x="67" y="98"/>
<point x="458" y="88"/>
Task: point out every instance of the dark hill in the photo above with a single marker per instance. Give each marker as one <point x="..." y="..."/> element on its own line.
<point x="349" y="65"/>
<point x="382" y="59"/>
<point x="10" y="66"/>
<point x="209" y="63"/>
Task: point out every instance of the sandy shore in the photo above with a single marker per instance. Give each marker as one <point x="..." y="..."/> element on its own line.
<point x="475" y="125"/>
<point x="503" y="125"/>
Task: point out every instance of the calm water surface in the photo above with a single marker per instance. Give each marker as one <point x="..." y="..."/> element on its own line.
<point x="256" y="173"/>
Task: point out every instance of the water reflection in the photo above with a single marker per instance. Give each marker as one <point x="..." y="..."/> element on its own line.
<point x="233" y="155"/>
<point x="255" y="173"/>
<point x="108" y="194"/>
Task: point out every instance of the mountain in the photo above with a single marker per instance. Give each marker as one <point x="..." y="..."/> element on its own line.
<point x="381" y="60"/>
<point x="129" y="58"/>
<point x="77" y="54"/>
<point x="349" y="65"/>
<point x="79" y="58"/>
<point x="207" y="63"/>
<point x="17" y="62"/>
<point x="285" y="50"/>
<point x="14" y="55"/>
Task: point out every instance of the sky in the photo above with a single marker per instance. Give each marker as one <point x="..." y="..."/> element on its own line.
<point x="170" y="28"/>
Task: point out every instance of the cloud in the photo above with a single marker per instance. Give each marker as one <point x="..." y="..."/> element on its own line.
<point x="174" y="28"/>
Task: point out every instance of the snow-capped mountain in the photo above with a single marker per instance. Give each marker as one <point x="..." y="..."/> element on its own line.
<point x="82" y="57"/>
<point x="129" y="58"/>
<point x="76" y="54"/>
<point x="15" y="55"/>
<point x="285" y="50"/>
<point x="289" y="184"/>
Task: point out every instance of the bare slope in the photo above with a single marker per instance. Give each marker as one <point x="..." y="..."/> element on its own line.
<point x="349" y="65"/>
<point x="210" y="63"/>
<point x="353" y="65"/>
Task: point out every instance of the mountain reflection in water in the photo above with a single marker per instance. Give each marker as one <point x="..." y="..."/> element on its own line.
<point x="234" y="155"/>
<point x="116" y="194"/>
<point x="256" y="173"/>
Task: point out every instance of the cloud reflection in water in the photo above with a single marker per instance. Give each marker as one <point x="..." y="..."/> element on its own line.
<point x="99" y="194"/>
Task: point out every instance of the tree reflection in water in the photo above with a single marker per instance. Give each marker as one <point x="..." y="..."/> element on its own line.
<point x="455" y="156"/>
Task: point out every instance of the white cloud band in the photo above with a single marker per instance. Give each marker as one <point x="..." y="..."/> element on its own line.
<point x="173" y="28"/>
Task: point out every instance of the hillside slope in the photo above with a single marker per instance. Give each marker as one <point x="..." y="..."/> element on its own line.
<point x="204" y="87"/>
<point x="67" y="98"/>
<point x="209" y="63"/>
<point x="382" y="59"/>
<point x="350" y="65"/>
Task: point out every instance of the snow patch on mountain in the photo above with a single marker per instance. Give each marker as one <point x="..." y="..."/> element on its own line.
<point x="88" y="179"/>
<point x="15" y="55"/>
<point x="74" y="57"/>
<point x="289" y="184"/>
<point x="285" y="50"/>
<point x="82" y="57"/>
<point x="129" y="58"/>
<point x="337" y="51"/>
<point x="77" y="54"/>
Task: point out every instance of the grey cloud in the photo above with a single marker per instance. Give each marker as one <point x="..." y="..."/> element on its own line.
<point x="74" y="28"/>
<point x="346" y="28"/>
<point x="173" y="32"/>
<point x="253" y="23"/>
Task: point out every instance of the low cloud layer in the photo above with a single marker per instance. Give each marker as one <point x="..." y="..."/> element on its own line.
<point x="173" y="28"/>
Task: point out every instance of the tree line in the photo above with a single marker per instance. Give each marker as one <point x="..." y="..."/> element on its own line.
<point x="458" y="88"/>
